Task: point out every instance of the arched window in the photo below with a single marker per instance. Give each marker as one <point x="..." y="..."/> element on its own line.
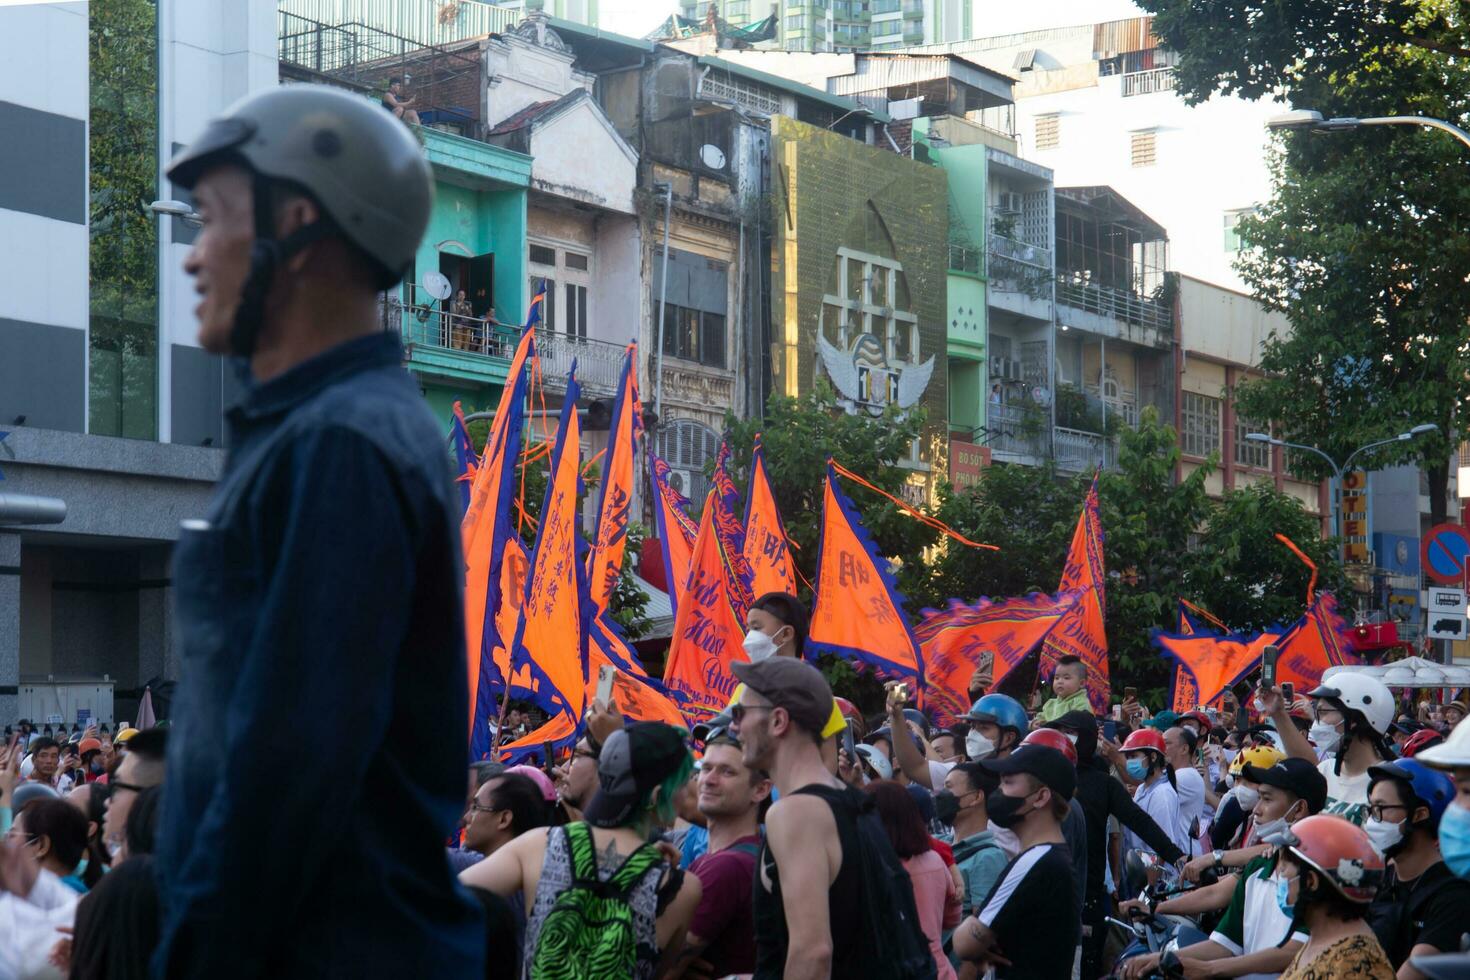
<point x="686" y="445"/>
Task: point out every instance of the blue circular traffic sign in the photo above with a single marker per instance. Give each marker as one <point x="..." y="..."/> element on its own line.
<point x="1444" y="553"/>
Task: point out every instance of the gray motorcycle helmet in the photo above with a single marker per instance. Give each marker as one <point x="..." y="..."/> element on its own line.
<point x="361" y="165"/>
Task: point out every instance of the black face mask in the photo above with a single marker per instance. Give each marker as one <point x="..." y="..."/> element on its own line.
<point x="1004" y="811"/>
<point x="946" y="807"/>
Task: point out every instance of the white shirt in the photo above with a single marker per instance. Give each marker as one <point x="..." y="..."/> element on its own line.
<point x="28" y="928"/>
<point x="1159" y="800"/>
<point x="1347" y="796"/>
<point x="1191" y="804"/>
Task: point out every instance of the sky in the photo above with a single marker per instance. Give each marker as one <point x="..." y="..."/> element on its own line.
<point x="638" y="17"/>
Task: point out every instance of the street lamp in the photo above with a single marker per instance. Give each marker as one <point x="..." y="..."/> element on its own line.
<point x="1313" y="120"/>
<point x="178" y="209"/>
<point x="1337" y="470"/>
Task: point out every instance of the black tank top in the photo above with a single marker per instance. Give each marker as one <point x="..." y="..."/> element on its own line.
<point x="844" y="898"/>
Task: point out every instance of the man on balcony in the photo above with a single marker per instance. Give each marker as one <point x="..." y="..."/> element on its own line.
<point x="400" y="105"/>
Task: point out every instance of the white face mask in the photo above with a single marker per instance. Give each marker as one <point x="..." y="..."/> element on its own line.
<point x="1006" y="840"/>
<point x="1382" y="834"/>
<point x="1072" y="737"/>
<point x="1326" y="737"/>
<point x="1247" y="797"/>
<point x="977" y="746"/>
<point x="758" y="646"/>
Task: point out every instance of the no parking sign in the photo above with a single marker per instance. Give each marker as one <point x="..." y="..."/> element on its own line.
<point x="1444" y="553"/>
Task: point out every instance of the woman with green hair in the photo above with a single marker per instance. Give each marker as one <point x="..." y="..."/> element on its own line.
<point x="633" y="923"/>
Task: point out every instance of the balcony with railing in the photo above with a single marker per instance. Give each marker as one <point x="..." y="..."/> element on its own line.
<point x="1149" y="82"/>
<point x="1111" y="259"/>
<point x="1020" y="276"/>
<point x="1023" y="434"/>
<point x="1151" y="316"/>
<point x="479" y="349"/>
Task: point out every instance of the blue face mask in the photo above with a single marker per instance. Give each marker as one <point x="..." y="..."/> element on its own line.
<point x="1283" y="889"/>
<point x="1138" y="769"/>
<point x="1454" y="839"/>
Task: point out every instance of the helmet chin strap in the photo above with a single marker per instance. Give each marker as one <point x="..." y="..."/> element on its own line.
<point x="266" y="255"/>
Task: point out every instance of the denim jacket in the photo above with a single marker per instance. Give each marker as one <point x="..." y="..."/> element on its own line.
<point x="319" y="745"/>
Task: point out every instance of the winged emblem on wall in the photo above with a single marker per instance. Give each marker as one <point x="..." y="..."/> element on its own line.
<point x="866" y="379"/>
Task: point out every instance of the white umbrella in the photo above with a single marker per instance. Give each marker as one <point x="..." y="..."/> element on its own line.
<point x="1409" y="672"/>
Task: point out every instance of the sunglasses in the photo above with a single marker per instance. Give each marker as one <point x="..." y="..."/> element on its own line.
<point x="739" y="711"/>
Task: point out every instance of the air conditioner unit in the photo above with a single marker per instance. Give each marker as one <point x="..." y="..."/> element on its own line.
<point x="1010" y="203"/>
<point x="681" y="480"/>
<point x="1013" y="370"/>
<point x="1005" y="368"/>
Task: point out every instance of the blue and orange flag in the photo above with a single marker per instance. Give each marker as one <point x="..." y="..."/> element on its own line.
<point x="675" y="528"/>
<point x="638" y="696"/>
<point x="767" y="550"/>
<point x="708" y="634"/>
<point x="857" y="612"/>
<point x="731" y="533"/>
<point x="1194" y="619"/>
<point x="1322" y="638"/>
<point x="966" y="636"/>
<point x="465" y="460"/>
<point x="555" y="614"/>
<point x="1206" y="663"/>
<point x="536" y="311"/>
<point x="615" y="499"/>
<point x="486" y="534"/>
<point x="1082" y="632"/>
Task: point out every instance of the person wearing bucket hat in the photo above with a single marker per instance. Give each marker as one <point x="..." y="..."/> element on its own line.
<point x="335" y="498"/>
<point x="639" y="770"/>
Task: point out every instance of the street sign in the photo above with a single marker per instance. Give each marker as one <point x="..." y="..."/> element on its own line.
<point x="1446" y="611"/>
<point x="1444" y="553"/>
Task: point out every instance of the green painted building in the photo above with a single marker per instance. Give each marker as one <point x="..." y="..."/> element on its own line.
<point x="966" y="320"/>
<point x="476" y="241"/>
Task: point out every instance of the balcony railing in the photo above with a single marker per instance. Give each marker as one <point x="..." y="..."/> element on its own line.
<point x="966" y="258"/>
<point x="1021" y="431"/>
<point x="1078" y="451"/>
<point x="599" y="363"/>
<point x="1149" y="82"/>
<point x="1016" y="267"/>
<point x="1116" y="303"/>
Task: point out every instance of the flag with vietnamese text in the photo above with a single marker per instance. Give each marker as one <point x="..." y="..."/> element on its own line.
<point x="551" y="640"/>
<point x="708" y="635"/>
<point x="675" y="528"/>
<point x="1322" y="638"/>
<point x="615" y="498"/>
<point x="638" y="696"/>
<point x="1208" y="663"/>
<point x="955" y="641"/>
<point x="486" y="532"/>
<point x="767" y="550"/>
<point x="731" y="533"/>
<point x="1082" y="631"/>
<point x="857" y="612"/>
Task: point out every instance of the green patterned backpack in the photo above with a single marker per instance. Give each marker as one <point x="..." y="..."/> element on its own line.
<point x="589" y="932"/>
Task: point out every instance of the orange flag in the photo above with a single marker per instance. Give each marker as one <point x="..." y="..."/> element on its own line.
<point x="676" y="529"/>
<point x="552" y="636"/>
<point x="858" y="613"/>
<point x="1320" y="639"/>
<point x="707" y="633"/>
<point x="615" y="500"/>
<point x="766" y="547"/>
<point x="1082" y="631"/>
<point x="953" y="643"/>
<point x="1209" y="663"/>
<point x="486" y="533"/>
<point x="638" y="697"/>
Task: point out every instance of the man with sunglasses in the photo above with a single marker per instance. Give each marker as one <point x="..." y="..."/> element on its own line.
<point x="143" y="766"/>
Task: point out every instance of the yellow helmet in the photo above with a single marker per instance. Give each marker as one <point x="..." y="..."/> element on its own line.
<point x="124" y="735"/>
<point x="1262" y="757"/>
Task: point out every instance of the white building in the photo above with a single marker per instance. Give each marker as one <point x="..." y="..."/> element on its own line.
<point x="1095" y="102"/>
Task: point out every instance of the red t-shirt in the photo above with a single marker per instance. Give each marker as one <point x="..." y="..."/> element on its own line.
<point x="723" y="918"/>
<point x="943" y="850"/>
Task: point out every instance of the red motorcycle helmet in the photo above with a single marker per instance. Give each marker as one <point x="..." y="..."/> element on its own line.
<point x="1201" y="718"/>
<point x="1145" y="739"/>
<point x="851" y="713"/>
<point x="1424" y="738"/>
<point x="1341" y="852"/>
<point x="1053" y="739"/>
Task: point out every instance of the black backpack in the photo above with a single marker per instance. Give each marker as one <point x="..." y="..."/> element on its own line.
<point x="900" y="948"/>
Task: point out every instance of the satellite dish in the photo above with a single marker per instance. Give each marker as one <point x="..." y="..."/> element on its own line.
<point x="1041" y="396"/>
<point x="712" y="156"/>
<point x="437" y="285"/>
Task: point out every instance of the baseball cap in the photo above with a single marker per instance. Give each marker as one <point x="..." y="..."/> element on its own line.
<point x="1293" y="775"/>
<point x="792" y="684"/>
<point x="634" y="760"/>
<point x="1046" y="764"/>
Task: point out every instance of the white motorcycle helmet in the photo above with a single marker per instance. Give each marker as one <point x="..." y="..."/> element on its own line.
<point x="1368" y="696"/>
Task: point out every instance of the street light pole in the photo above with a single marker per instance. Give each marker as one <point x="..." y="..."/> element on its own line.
<point x="1313" y="120"/>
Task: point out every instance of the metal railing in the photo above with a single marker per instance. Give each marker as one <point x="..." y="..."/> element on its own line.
<point x="1016" y="267"/>
<point x="1016" y="430"/>
<point x="1078" y="451"/>
<point x="1150" y="81"/>
<point x="599" y="363"/>
<point x="966" y="258"/>
<point x="1111" y="302"/>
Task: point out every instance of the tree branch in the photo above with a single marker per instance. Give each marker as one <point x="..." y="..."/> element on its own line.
<point x="1396" y="34"/>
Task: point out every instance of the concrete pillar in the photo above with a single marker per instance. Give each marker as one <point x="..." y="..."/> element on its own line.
<point x="9" y="627"/>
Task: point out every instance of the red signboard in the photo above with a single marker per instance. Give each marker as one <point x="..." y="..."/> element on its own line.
<point x="966" y="460"/>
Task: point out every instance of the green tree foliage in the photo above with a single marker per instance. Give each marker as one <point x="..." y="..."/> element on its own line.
<point x="1366" y="244"/>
